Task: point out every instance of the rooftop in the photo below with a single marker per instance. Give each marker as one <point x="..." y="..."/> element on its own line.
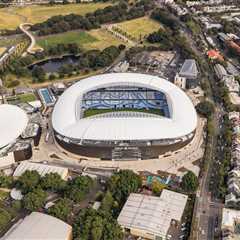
<point x="67" y="122"/>
<point x="39" y="226"/>
<point x="13" y="122"/>
<point x="230" y="217"/>
<point x="189" y="69"/>
<point x="152" y="214"/>
<point x="42" y="169"/>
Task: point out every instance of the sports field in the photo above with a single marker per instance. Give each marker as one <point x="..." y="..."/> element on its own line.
<point x="94" y="39"/>
<point x="78" y="37"/>
<point x="27" y="97"/>
<point x="11" y="17"/>
<point x="139" y="27"/>
<point x="93" y="112"/>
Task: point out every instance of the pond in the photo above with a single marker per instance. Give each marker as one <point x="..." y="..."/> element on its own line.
<point x="54" y="64"/>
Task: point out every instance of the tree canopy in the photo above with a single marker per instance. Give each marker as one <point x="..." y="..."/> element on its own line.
<point x="28" y="181"/>
<point x="61" y="209"/>
<point x="53" y="182"/>
<point x="6" y="181"/>
<point x="34" y="200"/>
<point x="122" y="184"/>
<point x="205" y="108"/>
<point x="189" y="182"/>
<point x="96" y="225"/>
<point x="78" y="188"/>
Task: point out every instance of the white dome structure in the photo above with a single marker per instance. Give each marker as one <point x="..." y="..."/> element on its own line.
<point x="13" y="121"/>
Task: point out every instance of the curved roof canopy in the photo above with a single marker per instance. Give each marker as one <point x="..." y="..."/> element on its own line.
<point x="13" y="121"/>
<point x="39" y="226"/>
<point x="67" y="122"/>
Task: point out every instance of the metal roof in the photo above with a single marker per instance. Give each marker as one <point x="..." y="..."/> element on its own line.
<point x="13" y="121"/>
<point x="39" y="226"/>
<point x="189" y="69"/>
<point x="42" y="169"/>
<point x="152" y="214"/>
<point x="67" y="122"/>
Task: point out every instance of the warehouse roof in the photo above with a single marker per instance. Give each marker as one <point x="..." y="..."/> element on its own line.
<point x="13" y="121"/>
<point x="152" y="214"/>
<point x="42" y="169"/>
<point x="39" y="226"/>
<point x="66" y="118"/>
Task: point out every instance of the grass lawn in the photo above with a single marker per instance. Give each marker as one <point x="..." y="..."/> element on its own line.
<point x="3" y="195"/>
<point x="78" y="37"/>
<point x="92" y="112"/>
<point x="139" y="27"/>
<point x="28" y="97"/>
<point x="94" y="39"/>
<point x="10" y="18"/>
<point x="2" y="50"/>
<point x="104" y="39"/>
<point x="9" y="41"/>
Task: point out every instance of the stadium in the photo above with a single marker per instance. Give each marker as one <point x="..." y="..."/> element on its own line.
<point x="120" y="116"/>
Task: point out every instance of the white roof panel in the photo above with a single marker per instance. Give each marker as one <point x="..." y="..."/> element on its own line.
<point x="42" y="169"/>
<point x="13" y="121"/>
<point x="66" y="120"/>
<point x="152" y="214"/>
<point x="39" y="226"/>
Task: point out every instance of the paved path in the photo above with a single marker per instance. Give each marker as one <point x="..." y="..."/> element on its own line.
<point x="31" y="48"/>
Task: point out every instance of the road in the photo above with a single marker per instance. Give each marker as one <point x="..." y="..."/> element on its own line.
<point x="207" y="210"/>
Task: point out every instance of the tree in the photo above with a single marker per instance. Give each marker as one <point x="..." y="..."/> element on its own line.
<point x="123" y="183"/>
<point x="107" y="202"/>
<point x="205" y="108"/>
<point x="28" y="181"/>
<point x="78" y="188"/>
<point x="6" y="181"/>
<point x="96" y="225"/>
<point x="5" y="218"/>
<point x="61" y="209"/>
<point x="34" y="200"/>
<point x="189" y="182"/>
<point x="38" y="73"/>
<point x="53" y="182"/>
<point x="157" y="187"/>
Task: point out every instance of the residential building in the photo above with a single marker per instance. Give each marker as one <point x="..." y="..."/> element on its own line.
<point x="230" y="224"/>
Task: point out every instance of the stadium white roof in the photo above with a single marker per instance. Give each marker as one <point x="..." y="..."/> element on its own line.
<point x="39" y="226"/>
<point x="13" y="121"/>
<point x="67" y="122"/>
<point x="42" y="169"/>
<point x="152" y="214"/>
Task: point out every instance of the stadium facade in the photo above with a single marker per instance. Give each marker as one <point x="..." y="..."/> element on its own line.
<point x="123" y="116"/>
